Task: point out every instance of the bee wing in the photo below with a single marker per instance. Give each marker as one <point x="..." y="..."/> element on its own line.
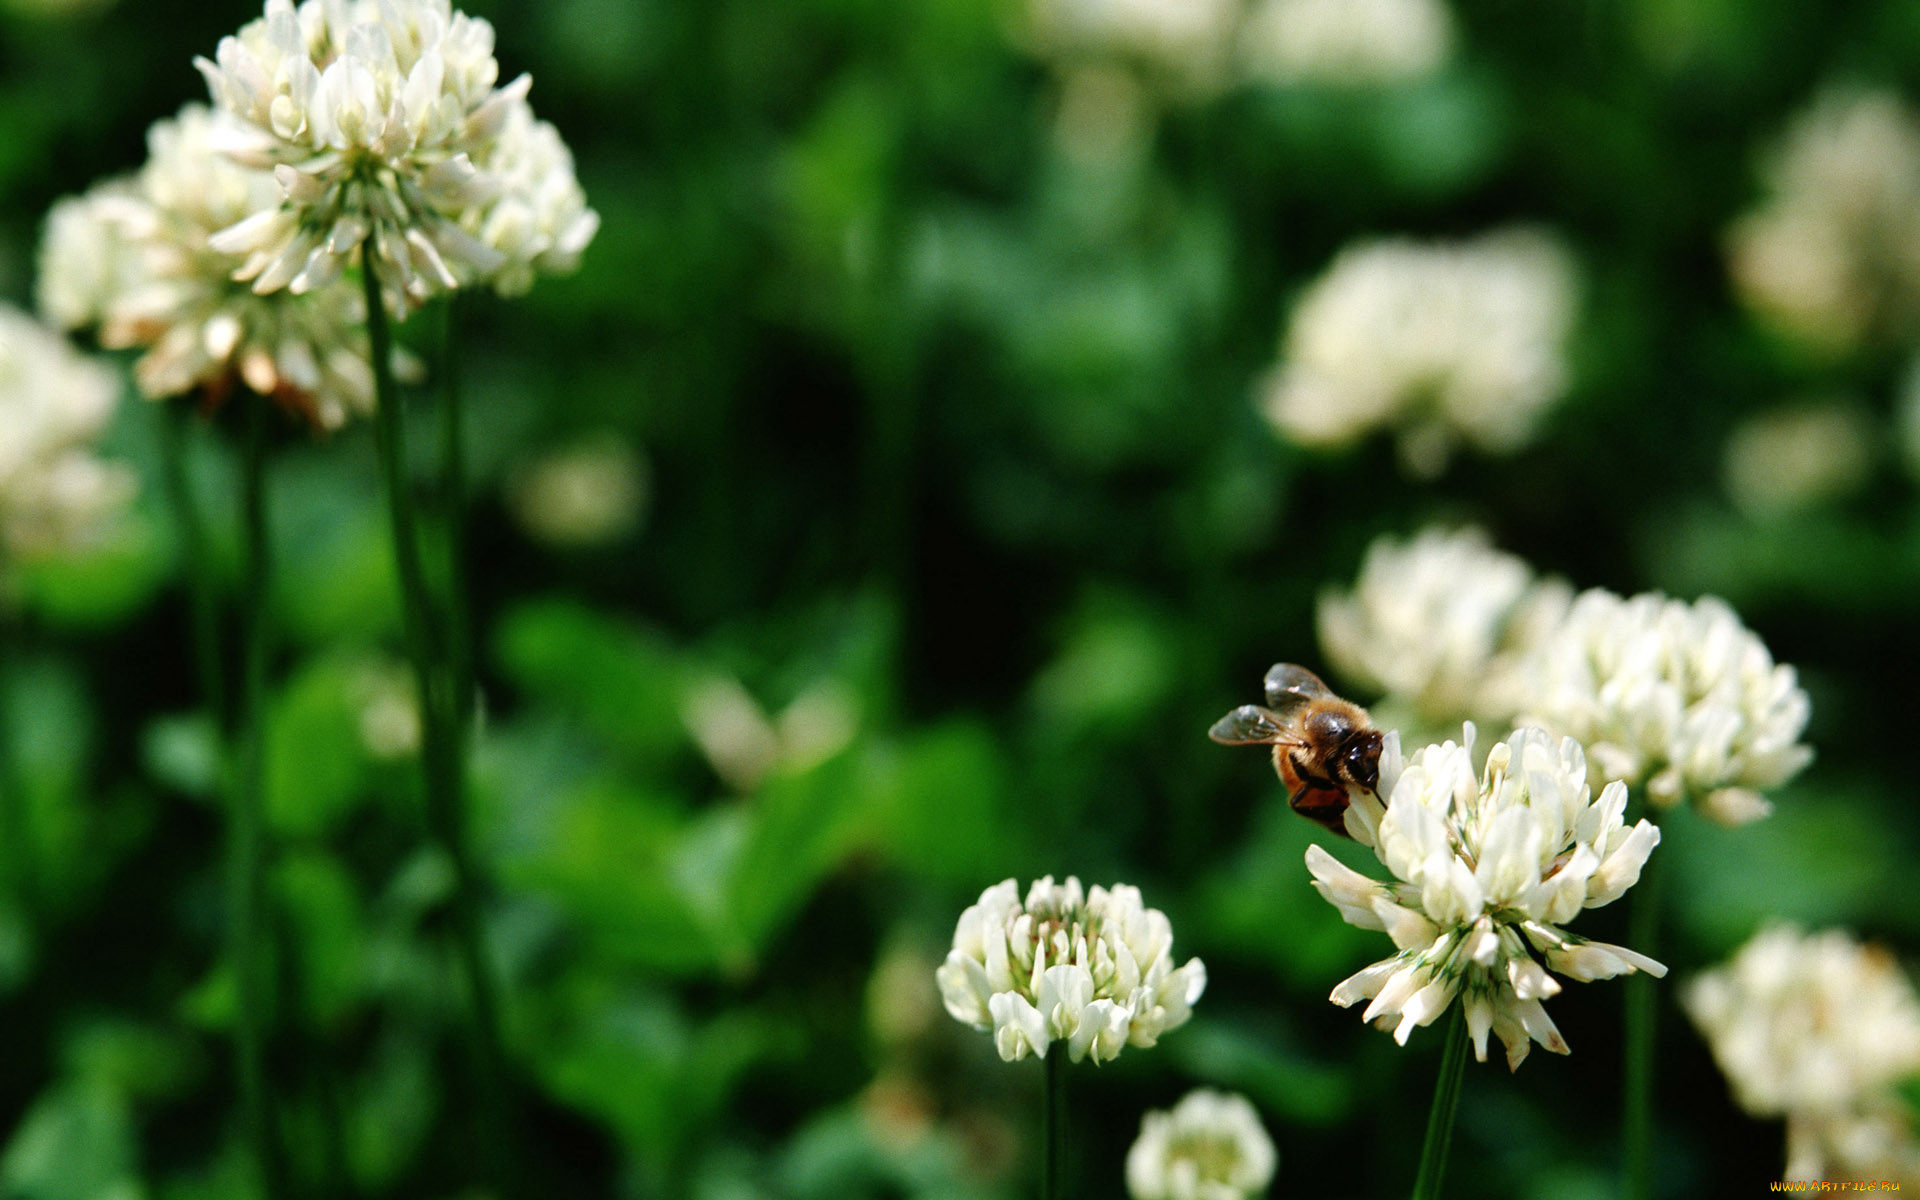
<point x="1289" y="686"/>
<point x="1248" y="725"/>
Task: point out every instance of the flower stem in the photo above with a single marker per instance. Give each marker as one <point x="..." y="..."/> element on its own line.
<point x="247" y="857"/>
<point x="442" y="753"/>
<point x="1053" y="1127"/>
<point x="1446" y="1101"/>
<point x="453" y="484"/>
<point x="194" y="559"/>
<point x="1642" y="1018"/>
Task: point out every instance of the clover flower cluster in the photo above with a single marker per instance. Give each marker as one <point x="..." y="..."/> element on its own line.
<point x="1820" y="1030"/>
<point x="1093" y="969"/>
<point x="388" y="135"/>
<point x="1488" y="869"/>
<point x="1184" y="45"/>
<point x="1197" y="48"/>
<point x="1441" y="343"/>
<point x="1210" y="1146"/>
<point x="134" y="258"/>
<point x="55" y="493"/>
<point x="1344" y="43"/>
<point x="1679" y="698"/>
<point x="1832" y="258"/>
<point x="1434" y="622"/>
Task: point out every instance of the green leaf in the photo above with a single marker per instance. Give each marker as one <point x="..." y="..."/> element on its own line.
<point x="75" y="1143"/>
<point x="625" y="682"/>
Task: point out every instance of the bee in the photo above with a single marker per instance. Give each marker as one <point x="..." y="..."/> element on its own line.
<point x="1322" y="745"/>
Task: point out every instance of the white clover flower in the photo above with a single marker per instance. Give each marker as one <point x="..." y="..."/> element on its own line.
<point x="84" y="260"/>
<point x="375" y="116"/>
<point x="1807" y="1023"/>
<point x="1877" y="1140"/>
<point x="1796" y="457"/>
<point x="539" y="221"/>
<point x="1091" y="969"/>
<point x="1489" y="868"/>
<point x="54" y="492"/>
<point x="1182" y="44"/>
<point x="587" y="494"/>
<point x="1442" y="343"/>
<point x="1679" y="697"/>
<point x="1833" y="256"/>
<point x="1431" y="622"/>
<point x="152" y="280"/>
<point x="1210" y="1146"/>
<point x="1346" y="43"/>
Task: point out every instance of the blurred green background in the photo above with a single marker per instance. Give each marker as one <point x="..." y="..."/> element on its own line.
<point x="946" y="527"/>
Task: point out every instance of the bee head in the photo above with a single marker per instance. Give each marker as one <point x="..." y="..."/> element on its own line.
<point x="1360" y="759"/>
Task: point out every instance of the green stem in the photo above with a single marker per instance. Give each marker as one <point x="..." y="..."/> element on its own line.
<point x="1053" y="1126"/>
<point x="453" y="460"/>
<point x="247" y="866"/>
<point x="16" y="811"/>
<point x="442" y="757"/>
<point x="1446" y="1101"/>
<point x="194" y="558"/>
<point x="1642" y="1020"/>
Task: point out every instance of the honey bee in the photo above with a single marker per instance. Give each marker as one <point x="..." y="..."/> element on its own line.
<point x="1322" y="745"/>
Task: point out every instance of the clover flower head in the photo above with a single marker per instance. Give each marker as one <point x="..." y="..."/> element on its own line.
<point x="1091" y="969"/>
<point x="1210" y="1146"/>
<point x="1441" y="343"/>
<point x="538" y="222"/>
<point x="1681" y="697"/>
<point x="1798" y="457"/>
<point x="375" y="117"/>
<point x="84" y="261"/>
<point x="157" y="283"/>
<point x="1488" y="867"/>
<point x="1875" y="1140"/>
<point x="1832" y="257"/>
<point x="1819" y="1029"/>
<point x="1346" y="43"/>
<point x="1182" y="45"/>
<point x="1433" y="622"/>
<point x="55" y="493"/>
<point x="1807" y="1022"/>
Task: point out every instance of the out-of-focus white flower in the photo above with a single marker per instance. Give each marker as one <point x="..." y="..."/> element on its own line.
<point x="1907" y="418"/>
<point x="84" y="260"/>
<point x="54" y="493"/>
<point x="1489" y="868"/>
<point x="1875" y="1141"/>
<point x="585" y="495"/>
<point x="1210" y="1146"/>
<point x="1104" y="116"/>
<point x="1818" y="1029"/>
<point x="1091" y="969"/>
<point x="1432" y="621"/>
<point x="1441" y="343"/>
<point x="375" y="117"/>
<point x="383" y="691"/>
<point x="1679" y="697"/>
<point x="1346" y="43"/>
<point x="539" y="222"/>
<point x="1797" y="457"/>
<point x="1833" y="256"/>
<point x="1184" y="45"/>
<point x="1807" y="1022"/>
<point x="135" y="257"/>
<point x="743" y="745"/>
